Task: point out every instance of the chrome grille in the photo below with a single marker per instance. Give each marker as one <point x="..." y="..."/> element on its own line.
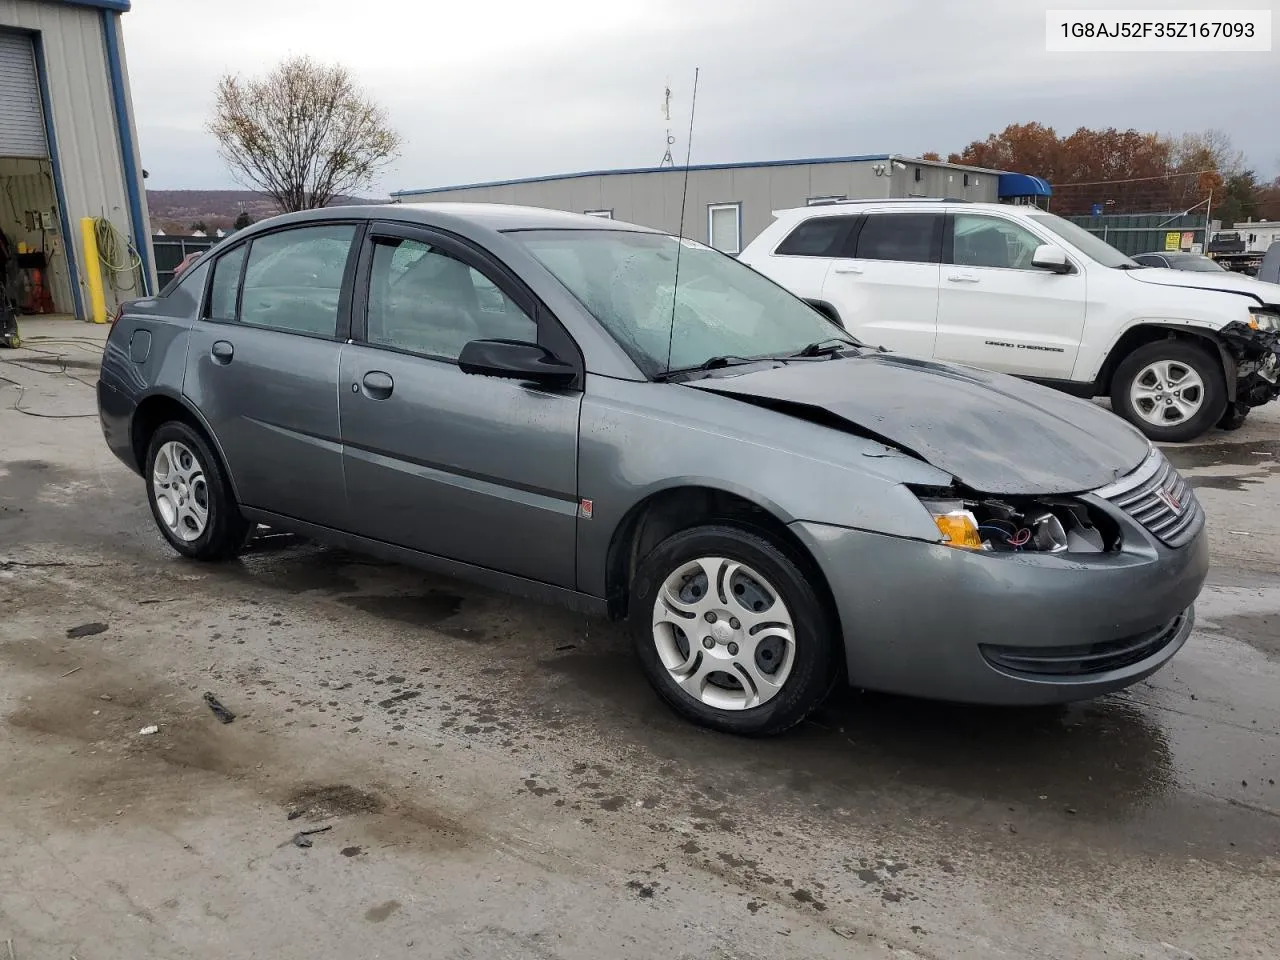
<point x="1157" y="497"/>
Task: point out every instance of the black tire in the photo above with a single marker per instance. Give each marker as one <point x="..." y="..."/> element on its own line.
<point x="816" y="657"/>
<point x="1235" y="417"/>
<point x="1207" y="366"/>
<point x="226" y="531"/>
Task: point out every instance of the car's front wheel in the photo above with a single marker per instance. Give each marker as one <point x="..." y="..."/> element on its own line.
<point x="731" y="632"/>
<point x="190" y="497"/>
<point x="1171" y="390"/>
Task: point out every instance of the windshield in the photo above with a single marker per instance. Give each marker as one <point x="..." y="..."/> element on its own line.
<point x="724" y="308"/>
<point x="1092" y="247"/>
<point x="1198" y="264"/>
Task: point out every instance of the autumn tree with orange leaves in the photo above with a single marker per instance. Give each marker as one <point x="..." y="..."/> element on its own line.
<point x="1126" y="170"/>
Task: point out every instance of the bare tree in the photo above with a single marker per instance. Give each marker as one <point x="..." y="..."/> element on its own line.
<point x="303" y="135"/>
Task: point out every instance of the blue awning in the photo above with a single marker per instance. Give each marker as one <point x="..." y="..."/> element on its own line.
<point x="1022" y="185"/>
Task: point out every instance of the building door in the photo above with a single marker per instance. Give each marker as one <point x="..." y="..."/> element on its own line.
<point x="21" y="112"/>
<point x="33" y="266"/>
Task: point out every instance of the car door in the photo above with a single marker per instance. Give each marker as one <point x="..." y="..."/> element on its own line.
<point x="476" y="469"/>
<point x="263" y="366"/>
<point x="885" y="283"/>
<point x="998" y="311"/>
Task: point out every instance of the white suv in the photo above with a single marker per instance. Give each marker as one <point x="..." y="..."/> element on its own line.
<point x="1021" y="291"/>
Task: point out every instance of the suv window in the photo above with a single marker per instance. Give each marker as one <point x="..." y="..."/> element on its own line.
<point x="910" y="237"/>
<point x="818" y="237"/>
<point x="226" y="280"/>
<point x="980" y="241"/>
<point x="294" y="279"/>
<point x="424" y="300"/>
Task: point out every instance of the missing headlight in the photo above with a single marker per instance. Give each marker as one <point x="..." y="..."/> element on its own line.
<point x="1039" y="525"/>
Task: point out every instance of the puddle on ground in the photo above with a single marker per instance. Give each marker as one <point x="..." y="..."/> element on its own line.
<point x="417" y="610"/>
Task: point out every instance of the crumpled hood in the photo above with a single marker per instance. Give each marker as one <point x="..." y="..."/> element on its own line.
<point x="994" y="433"/>
<point x="1267" y="293"/>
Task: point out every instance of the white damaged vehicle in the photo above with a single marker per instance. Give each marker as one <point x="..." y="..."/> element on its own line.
<point x="1017" y="290"/>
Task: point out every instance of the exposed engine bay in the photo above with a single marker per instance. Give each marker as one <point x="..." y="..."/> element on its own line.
<point x="1023" y="525"/>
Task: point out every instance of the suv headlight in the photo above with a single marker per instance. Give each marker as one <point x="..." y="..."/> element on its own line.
<point x="1261" y="320"/>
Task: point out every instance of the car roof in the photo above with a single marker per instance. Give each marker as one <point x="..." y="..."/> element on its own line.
<point x="498" y="217"/>
<point x="853" y="207"/>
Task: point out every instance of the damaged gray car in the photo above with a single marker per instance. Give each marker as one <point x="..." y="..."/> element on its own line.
<point x="641" y="427"/>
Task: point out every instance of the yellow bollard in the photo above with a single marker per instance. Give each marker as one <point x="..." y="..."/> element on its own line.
<point x="93" y="271"/>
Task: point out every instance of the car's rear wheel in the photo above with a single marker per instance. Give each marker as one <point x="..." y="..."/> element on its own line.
<point x="1171" y="390"/>
<point x="731" y="632"/>
<point x="190" y="497"/>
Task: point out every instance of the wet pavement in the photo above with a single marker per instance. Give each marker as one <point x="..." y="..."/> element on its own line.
<point x="500" y="781"/>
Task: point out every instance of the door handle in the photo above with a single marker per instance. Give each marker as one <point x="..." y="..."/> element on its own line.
<point x="377" y="385"/>
<point x="846" y="268"/>
<point x="222" y="352"/>
<point x="962" y="278"/>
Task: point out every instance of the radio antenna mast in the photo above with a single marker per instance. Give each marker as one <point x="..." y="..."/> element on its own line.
<point x="684" y="195"/>
<point x="667" y="161"/>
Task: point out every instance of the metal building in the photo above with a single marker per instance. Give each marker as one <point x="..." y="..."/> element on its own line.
<point x="728" y="204"/>
<point x="69" y="151"/>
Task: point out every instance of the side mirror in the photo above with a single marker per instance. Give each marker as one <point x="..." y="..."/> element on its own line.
<point x="516" y="360"/>
<point x="1051" y="258"/>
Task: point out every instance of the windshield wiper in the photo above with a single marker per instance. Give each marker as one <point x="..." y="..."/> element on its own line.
<point x="713" y="363"/>
<point x="830" y="346"/>
<point x="1132" y="266"/>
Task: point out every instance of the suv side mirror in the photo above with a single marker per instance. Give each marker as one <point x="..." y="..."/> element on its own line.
<point x="516" y="360"/>
<point x="1051" y="258"/>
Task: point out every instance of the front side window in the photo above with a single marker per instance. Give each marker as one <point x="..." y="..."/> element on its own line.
<point x="424" y="300"/>
<point x="818" y="237"/>
<point x="294" y="279"/>
<point x="720" y="307"/>
<point x="1093" y="247"/>
<point x="226" y="281"/>
<point x="908" y="237"/>
<point x="992" y="242"/>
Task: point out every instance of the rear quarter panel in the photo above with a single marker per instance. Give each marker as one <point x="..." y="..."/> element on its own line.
<point x="145" y="355"/>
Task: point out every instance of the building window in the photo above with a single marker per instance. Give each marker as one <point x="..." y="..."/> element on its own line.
<point x="724" y="227"/>
<point x="818" y="201"/>
<point x="604" y="214"/>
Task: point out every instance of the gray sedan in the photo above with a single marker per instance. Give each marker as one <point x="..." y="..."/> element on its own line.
<point x="638" y="426"/>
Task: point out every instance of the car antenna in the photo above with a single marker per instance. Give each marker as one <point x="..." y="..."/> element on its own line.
<point x="684" y="195"/>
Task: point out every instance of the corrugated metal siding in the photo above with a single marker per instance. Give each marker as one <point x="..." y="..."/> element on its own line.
<point x="652" y="199"/>
<point x="83" y="118"/>
<point x="28" y="185"/>
<point x="21" y="118"/>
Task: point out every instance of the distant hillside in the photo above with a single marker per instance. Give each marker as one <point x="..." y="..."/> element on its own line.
<point x="176" y="211"/>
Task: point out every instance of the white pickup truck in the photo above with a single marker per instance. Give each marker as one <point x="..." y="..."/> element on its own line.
<point x="1021" y="291"/>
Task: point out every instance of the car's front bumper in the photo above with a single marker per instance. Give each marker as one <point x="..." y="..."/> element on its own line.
<point x="1013" y="628"/>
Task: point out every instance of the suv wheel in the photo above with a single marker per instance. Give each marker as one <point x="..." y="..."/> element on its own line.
<point x="1171" y="390"/>
<point x="190" y="497"/>
<point x="730" y="631"/>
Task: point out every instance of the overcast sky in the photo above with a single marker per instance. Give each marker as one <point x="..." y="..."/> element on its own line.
<point x="496" y="89"/>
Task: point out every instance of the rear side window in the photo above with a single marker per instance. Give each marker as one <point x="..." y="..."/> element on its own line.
<point x="819" y="237"/>
<point x="183" y="297"/>
<point x="294" y="279"/>
<point x="226" y="280"/>
<point x="909" y="237"/>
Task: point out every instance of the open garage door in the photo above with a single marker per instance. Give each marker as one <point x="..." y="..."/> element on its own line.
<point x="21" y="115"/>
<point x="33" y="263"/>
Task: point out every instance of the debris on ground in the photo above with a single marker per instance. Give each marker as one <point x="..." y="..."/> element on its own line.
<point x="147" y="731"/>
<point x="219" y="711"/>
<point x="70" y="672"/>
<point x="847" y="932"/>
<point x="303" y="837"/>
<point x="86" y="630"/>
